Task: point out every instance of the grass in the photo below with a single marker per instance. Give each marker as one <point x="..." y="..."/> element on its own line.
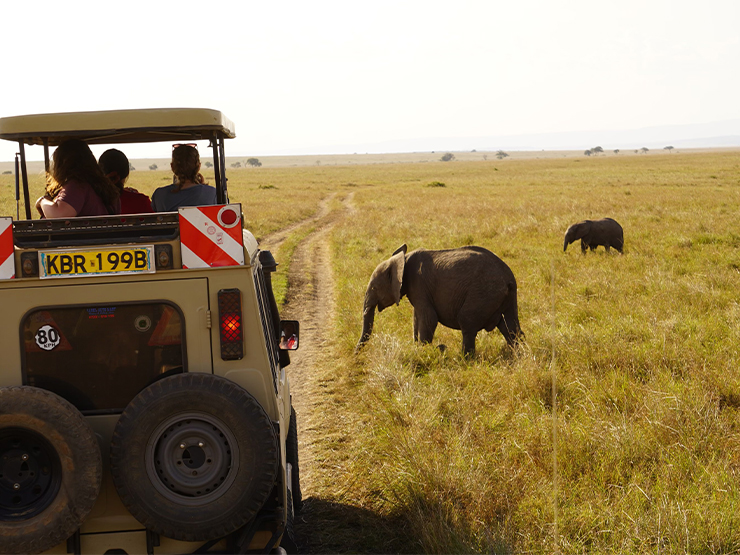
<point x="646" y="345"/>
<point x="456" y="455"/>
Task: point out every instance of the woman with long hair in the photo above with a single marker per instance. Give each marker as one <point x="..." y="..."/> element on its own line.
<point x="189" y="187"/>
<point x="115" y="166"/>
<point x="76" y="186"/>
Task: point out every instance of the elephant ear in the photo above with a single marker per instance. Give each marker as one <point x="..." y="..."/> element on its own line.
<point x="397" y="264"/>
<point x="579" y="230"/>
<point x="402" y="249"/>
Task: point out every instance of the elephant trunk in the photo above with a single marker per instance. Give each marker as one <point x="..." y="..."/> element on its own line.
<point x="368" y="317"/>
<point x="565" y="244"/>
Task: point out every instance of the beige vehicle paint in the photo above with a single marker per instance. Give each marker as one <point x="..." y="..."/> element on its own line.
<point x="188" y="297"/>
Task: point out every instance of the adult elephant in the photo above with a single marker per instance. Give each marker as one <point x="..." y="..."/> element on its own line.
<point x="467" y="289"/>
<point x="592" y="233"/>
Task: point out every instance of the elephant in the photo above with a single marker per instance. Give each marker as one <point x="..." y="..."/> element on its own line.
<point x="466" y="288"/>
<point x="593" y="233"/>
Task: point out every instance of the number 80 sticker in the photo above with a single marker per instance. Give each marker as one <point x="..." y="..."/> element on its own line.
<point x="48" y="337"/>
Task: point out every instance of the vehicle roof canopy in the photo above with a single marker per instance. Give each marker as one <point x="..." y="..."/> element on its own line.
<point x="118" y="126"/>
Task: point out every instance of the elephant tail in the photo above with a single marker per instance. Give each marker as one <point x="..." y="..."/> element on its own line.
<point x="509" y="323"/>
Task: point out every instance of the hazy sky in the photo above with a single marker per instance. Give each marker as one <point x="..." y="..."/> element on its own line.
<point x="320" y="74"/>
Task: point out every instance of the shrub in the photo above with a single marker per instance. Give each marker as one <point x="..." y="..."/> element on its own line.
<point x="447" y="157"/>
<point x="436" y="184"/>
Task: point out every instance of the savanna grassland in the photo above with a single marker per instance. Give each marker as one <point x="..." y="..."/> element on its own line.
<point x="639" y="449"/>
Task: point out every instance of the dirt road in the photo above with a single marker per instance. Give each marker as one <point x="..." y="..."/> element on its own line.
<point x="310" y="299"/>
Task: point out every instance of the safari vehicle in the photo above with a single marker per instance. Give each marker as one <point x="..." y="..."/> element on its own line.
<point x="144" y="404"/>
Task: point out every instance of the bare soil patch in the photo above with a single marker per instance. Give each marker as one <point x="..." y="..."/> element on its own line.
<point x="310" y="299"/>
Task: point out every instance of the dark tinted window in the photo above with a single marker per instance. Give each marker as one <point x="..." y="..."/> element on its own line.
<point x="99" y="357"/>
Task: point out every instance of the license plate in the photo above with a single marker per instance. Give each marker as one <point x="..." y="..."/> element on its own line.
<point x="96" y="262"/>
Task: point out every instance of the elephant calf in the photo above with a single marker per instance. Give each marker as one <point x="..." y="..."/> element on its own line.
<point x="593" y="233"/>
<point x="467" y="289"/>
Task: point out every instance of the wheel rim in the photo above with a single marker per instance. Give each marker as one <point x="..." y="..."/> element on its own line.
<point x="192" y="458"/>
<point x="30" y="474"/>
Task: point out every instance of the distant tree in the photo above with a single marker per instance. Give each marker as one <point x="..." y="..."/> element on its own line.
<point x="236" y="165"/>
<point x="597" y="150"/>
<point x="637" y="151"/>
<point x="668" y="148"/>
<point x="447" y="157"/>
<point x="644" y="149"/>
<point x="616" y="151"/>
<point x="7" y="172"/>
<point x="153" y="167"/>
<point x="501" y="155"/>
<point x="254" y="162"/>
<point x="587" y="152"/>
<point x="485" y="156"/>
<point x="473" y="150"/>
<point x="131" y="167"/>
<point x="209" y="164"/>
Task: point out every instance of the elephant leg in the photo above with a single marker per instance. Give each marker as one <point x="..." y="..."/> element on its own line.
<point x="425" y="324"/>
<point x="469" y="336"/>
<point x="584" y="246"/>
<point x="607" y="247"/>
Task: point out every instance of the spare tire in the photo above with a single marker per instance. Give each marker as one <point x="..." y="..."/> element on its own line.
<point x="50" y="469"/>
<point x="194" y="457"/>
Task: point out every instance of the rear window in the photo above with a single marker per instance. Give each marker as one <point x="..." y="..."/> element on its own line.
<point x="99" y="357"/>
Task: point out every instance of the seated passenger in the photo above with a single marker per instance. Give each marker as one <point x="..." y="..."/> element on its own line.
<point x="76" y="186"/>
<point x="189" y="188"/>
<point x="115" y="166"/>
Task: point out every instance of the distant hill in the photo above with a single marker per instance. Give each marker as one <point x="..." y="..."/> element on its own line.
<point x="700" y="135"/>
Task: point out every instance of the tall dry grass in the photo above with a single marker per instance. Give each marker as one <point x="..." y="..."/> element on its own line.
<point x="646" y="414"/>
<point x="456" y="455"/>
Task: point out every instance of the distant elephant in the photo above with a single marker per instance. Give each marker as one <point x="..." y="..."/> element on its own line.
<point x="593" y="233"/>
<point x="467" y="288"/>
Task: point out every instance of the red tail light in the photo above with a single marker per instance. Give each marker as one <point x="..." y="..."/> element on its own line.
<point x="230" y="324"/>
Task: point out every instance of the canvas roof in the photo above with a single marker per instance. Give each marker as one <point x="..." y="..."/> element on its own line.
<point x="118" y="126"/>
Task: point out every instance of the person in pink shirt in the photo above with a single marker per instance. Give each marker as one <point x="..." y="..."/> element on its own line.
<point x="115" y="166"/>
<point x="76" y="186"/>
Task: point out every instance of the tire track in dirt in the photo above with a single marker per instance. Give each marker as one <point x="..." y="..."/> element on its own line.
<point x="274" y="241"/>
<point x="310" y="299"/>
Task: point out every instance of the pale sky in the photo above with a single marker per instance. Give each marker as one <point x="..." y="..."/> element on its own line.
<point x="326" y="76"/>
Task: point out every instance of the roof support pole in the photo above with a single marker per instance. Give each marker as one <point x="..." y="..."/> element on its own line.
<point x="24" y="174"/>
<point x="46" y="154"/>
<point x="17" y="188"/>
<point x="225" y="199"/>
<point x="217" y="170"/>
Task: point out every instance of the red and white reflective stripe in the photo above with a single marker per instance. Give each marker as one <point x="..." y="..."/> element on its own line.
<point x="211" y="236"/>
<point x="7" y="258"/>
